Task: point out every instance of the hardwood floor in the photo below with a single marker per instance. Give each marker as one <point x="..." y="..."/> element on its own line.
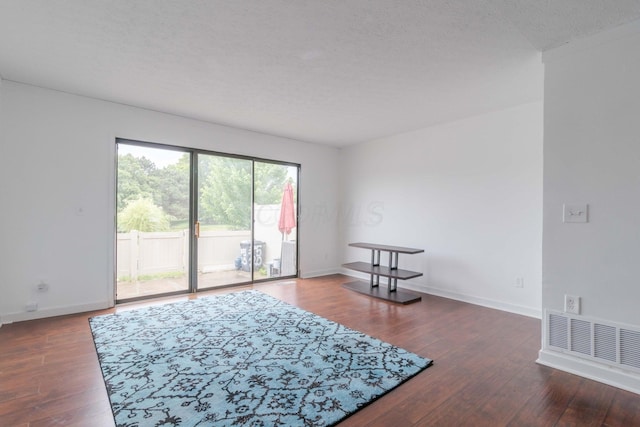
<point x="484" y="372"/>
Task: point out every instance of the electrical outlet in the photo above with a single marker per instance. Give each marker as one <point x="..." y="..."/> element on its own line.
<point x="31" y="306"/>
<point x="519" y="283"/>
<point x="571" y="304"/>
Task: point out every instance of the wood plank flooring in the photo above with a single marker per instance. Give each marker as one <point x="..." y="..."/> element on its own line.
<point x="484" y="372"/>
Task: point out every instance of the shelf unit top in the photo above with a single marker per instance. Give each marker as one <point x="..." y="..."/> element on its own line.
<point x="386" y="248"/>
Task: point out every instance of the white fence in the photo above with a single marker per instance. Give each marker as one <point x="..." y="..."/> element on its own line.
<point x="141" y="253"/>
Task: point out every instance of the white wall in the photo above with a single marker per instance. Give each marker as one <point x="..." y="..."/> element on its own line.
<point x="58" y="155"/>
<point x="468" y="192"/>
<point x="592" y="156"/>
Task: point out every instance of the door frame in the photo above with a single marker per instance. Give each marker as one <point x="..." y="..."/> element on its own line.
<point x="193" y="215"/>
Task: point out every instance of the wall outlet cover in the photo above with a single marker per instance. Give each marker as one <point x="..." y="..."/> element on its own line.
<point x="571" y="304"/>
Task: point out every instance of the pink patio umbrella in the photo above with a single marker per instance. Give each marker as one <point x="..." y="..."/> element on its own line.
<point x="287" y="220"/>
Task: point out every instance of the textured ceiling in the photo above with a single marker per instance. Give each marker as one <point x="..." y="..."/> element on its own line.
<point x="332" y="71"/>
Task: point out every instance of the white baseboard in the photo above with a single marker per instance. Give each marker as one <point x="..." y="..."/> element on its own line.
<point x="484" y="302"/>
<point x="319" y="273"/>
<point x="51" y="312"/>
<point x="606" y="374"/>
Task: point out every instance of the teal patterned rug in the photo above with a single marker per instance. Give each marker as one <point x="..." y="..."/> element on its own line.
<point x="239" y="359"/>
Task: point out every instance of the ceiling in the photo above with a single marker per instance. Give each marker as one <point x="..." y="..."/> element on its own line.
<point x="334" y="72"/>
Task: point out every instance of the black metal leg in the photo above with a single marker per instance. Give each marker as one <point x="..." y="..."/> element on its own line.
<point x="392" y="287"/>
<point x="392" y="284"/>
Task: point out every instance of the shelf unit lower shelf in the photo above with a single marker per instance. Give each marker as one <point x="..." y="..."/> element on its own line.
<point x="381" y="270"/>
<point x="401" y="297"/>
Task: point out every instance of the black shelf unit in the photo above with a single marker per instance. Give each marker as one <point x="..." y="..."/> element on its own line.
<point x="390" y="271"/>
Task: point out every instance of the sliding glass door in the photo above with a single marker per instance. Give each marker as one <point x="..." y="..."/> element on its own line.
<point x="190" y="219"/>
<point x="275" y="225"/>
<point x="153" y="223"/>
<point x="223" y="229"/>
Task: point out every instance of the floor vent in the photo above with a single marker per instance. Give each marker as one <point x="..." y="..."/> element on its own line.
<point x="604" y="342"/>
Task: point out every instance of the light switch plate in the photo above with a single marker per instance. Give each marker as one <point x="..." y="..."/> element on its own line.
<point x="575" y="213"/>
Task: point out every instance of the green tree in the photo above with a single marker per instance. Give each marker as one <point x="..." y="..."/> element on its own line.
<point x="142" y="215"/>
<point x="136" y="179"/>
<point x="270" y="179"/>
<point x="172" y="189"/>
<point x="225" y="194"/>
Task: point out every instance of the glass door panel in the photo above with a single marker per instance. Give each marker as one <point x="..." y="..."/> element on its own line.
<point x="224" y="221"/>
<point x="153" y="238"/>
<point x="275" y="225"/>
